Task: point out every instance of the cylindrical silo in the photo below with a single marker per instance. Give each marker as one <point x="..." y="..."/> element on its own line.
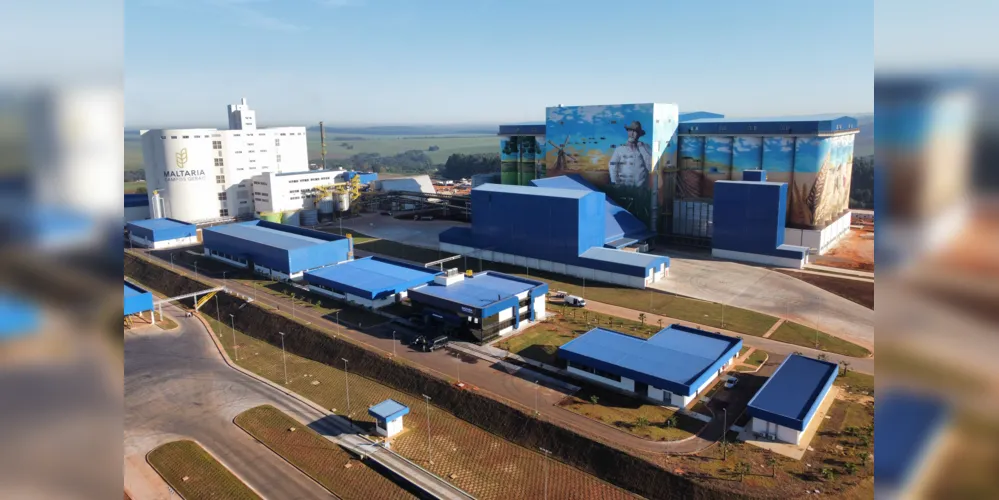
<point x="343" y="202"/>
<point x="326" y="206"/>
<point x="181" y="165"/>
<point x="309" y="217"/>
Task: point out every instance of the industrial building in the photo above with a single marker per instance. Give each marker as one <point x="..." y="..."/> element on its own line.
<point x="749" y="222"/>
<point x="388" y="417"/>
<point x="479" y="306"/>
<point x="569" y="229"/>
<point x="662" y="165"/>
<point x="672" y="367"/>
<point x="414" y="184"/>
<point x="369" y="282"/>
<point x="277" y="251"/>
<point x="303" y="198"/>
<point x="204" y="174"/>
<point x="137" y="300"/>
<point x="158" y="234"/>
<point x="783" y="408"/>
<point x="136" y="207"/>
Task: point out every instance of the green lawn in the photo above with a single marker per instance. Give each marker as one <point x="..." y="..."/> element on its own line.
<point x="541" y="341"/>
<point x="797" y="334"/>
<point x="131" y="187"/>
<point x="627" y="414"/>
<point x="322" y="460"/>
<point x="856" y="382"/>
<point x="193" y="473"/>
<point x="757" y="358"/>
<point x="743" y="351"/>
<point x="393" y="145"/>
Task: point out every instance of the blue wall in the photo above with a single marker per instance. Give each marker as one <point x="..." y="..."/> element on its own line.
<point x="749" y="217"/>
<point x="285" y="260"/>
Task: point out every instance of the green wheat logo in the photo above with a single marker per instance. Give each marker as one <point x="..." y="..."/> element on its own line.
<point x="182" y="158"/>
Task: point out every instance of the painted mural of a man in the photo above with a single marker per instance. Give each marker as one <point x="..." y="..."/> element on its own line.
<point x="631" y="162"/>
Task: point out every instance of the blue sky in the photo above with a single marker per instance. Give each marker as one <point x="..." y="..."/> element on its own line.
<point x="489" y="61"/>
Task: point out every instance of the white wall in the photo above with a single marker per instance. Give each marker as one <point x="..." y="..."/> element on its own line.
<point x="819" y="242"/>
<point x="157" y="245"/>
<point x="279" y="193"/>
<point x="505" y="314"/>
<point x="760" y="259"/>
<point x="625" y="384"/>
<point x="188" y="187"/>
<point x="393" y="427"/>
<point x="766" y="428"/>
<point x="539" y="306"/>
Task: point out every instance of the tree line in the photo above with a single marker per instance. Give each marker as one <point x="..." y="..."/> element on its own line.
<point x="862" y="183"/>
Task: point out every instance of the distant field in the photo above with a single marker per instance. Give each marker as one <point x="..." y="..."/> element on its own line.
<point x="130" y="187"/>
<point x="385" y="146"/>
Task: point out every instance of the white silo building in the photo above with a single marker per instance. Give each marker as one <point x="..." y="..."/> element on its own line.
<point x="204" y="175"/>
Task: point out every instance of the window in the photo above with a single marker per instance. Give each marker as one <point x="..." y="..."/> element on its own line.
<point x="242" y="203"/>
<point x="173" y="137"/>
<point x="197" y="137"/>
<point x="162" y="137"/>
<point x="216" y="144"/>
<point x="607" y="375"/>
<point x="282" y="133"/>
<point x="249" y="144"/>
<point x="237" y="135"/>
<point x="238" y="152"/>
<point x="251" y="151"/>
<point x="263" y="150"/>
<point x="218" y="162"/>
<point x="252" y="160"/>
<point x="220" y="179"/>
<point x="222" y="196"/>
<point x="279" y="158"/>
<point x="277" y="142"/>
<point x="187" y="137"/>
<point x="224" y="212"/>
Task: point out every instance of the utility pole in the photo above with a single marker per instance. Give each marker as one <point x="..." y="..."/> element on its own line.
<point x="284" y="359"/>
<point x="537" y="389"/>
<point x="725" y="434"/>
<point x="393" y="343"/>
<point x="547" y="456"/>
<point x="235" y="349"/>
<point x="338" y="323"/>
<point x="346" y="383"/>
<point x="430" y="454"/>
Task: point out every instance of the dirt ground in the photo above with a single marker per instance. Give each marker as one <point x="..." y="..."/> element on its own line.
<point x="855" y="291"/>
<point x="854" y="251"/>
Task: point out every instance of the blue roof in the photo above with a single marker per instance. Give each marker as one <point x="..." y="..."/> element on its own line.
<point x="574" y="194"/>
<point x="916" y="421"/>
<point x="618" y="223"/>
<point x="271" y="235"/>
<point x="136" y="200"/>
<point x="698" y="115"/>
<point x="794" y="391"/>
<point x="160" y="224"/>
<point x="136" y="299"/>
<point x="389" y="409"/>
<point x="481" y="290"/>
<point x="371" y="277"/>
<point x="17" y="317"/>
<point x="777" y="125"/>
<point x="624" y="257"/>
<point x="677" y="358"/>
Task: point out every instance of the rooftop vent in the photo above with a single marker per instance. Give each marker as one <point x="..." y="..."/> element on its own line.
<point x="450" y="277"/>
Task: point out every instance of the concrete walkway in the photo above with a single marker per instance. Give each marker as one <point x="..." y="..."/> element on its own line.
<point x="837" y="270"/>
<point x="862" y="365"/>
<point x="773" y="328"/>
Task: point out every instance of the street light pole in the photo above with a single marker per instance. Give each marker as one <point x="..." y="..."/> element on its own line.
<point x="218" y="315"/>
<point x="284" y="359"/>
<point x="430" y="454"/>
<point x="223" y="278"/>
<point x="725" y="434"/>
<point x="346" y="383"/>
<point x="393" y="343"/>
<point x="338" y="323"/>
<point x="536" y="390"/>
<point x="171" y="261"/>
<point x="547" y="455"/>
<point x="235" y="349"/>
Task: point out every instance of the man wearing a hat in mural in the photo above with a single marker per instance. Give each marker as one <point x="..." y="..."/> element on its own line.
<point x="631" y="162"/>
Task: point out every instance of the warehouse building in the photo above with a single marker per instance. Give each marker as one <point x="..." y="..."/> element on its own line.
<point x="749" y="220"/>
<point x="158" y="234"/>
<point x="785" y="405"/>
<point x="277" y="251"/>
<point x="480" y="306"/>
<point x="369" y="282"/>
<point x="672" y="367"/>
<point x="137" y="300"/>
<point x="569" y="230"/>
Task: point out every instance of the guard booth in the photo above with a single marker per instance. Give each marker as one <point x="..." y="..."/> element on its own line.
<point x="388" y="417"/>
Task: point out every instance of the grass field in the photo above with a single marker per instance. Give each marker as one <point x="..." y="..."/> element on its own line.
<point x="481" y="463"/>
<point x="643" y="419"/>
<point x="194" y="474"/>
<point x="322" y="460"/>
<point x="856" y="383"/>
<point x="756" y="358"/>
<point x="540" y="342"/>
<point x="797" y="334"/>
<point x="131" y="187"/>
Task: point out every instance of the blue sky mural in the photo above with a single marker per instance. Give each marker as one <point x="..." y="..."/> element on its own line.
<point x="692" y="147"/>
<point x="717" y="155"/>
<point x="746" y="155"/>
<point x="778" y="154"/>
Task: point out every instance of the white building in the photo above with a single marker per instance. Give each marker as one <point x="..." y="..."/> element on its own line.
<point x="283" y="191"/>
<point x="205" y="174"/>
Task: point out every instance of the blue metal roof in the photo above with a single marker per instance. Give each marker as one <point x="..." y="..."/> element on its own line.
<point x="522" y="129"/>
<point x="265" y="233"/>
<point x="17" y="317"/>
<point x="481" y="290"/>
<point x="161" y="224"/>
<point x="698" y="115"/>
<point x="780" y="125"/>
<point x="387" y="410"/>
<point x="677" y="358"/>
<point x="371" y="277"/>
<point x="618" y="222"/>
<point x="915" y="421"/>
<point x="574" y="194"/>
<point x="793" y="392"/>
<point x="136" y="200"/>
<point x="136" y="299"/>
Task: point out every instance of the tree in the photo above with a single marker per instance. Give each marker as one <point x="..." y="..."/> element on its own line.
<point x="642" y="421"/>
<point x="851" y="468"/>
<point x="671" y="421"/>
<point x="864" y="456"/>
<point x="641" y="318"/>
<point x="864" y="442"/>
<point x="742" y="468"/>
<point x="660" y="323"/>
<point x="845" y="366"/>
<point x="772" y="462"/>
<point x="828" y="473"/>
<point x="141" y="190"/>
<point x="594" y="399"/>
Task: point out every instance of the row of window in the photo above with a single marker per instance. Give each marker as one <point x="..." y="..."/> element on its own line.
<point x="218" y="144"/>
<point x="222" y="196"/>
<point x="596" y="371"/>
<point x="220" y="179"/>
<point x="218" y="162"/>
<point x="260" y="194"/>
<point x="233" y="258"/>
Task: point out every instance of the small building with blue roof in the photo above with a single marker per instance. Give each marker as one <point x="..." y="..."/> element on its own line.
<point x="369" y="282"/>
<point x="388" y="417"/>
<point x="672" y="367"/>
<point x="278" y="251"/>
<point x="137" y="300"/>
<point x="480" y="306"/>
<point x="784" y="407"/>
<point x="158" y="234"/>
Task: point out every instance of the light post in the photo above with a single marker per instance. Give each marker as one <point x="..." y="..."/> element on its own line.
<point x="218" y="315"/>
<point x="346" y="383"/>
<point x="338" y="323"/>
<point x="171" y="261"/>
<point x="195" y="269"/>
<point x="284" y="359"/>
<point x="457" y="361"/>
<point x="430" y="454"/>
<point x="393" y="343"/>
<point x="547" y="455"/>
<point x="725" y="434"/>
<point x="537" y="389"/>
<point x="223" y="278"/>
<point x="723" y="315"/>
<point x="235" y="349"/>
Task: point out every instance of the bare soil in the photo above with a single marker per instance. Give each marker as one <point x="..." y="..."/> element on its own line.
<point x="855" y="251"/>
<point x="855" y="291"/>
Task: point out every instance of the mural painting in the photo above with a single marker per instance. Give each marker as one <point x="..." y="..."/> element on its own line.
<point x="690" y="178"/>
<point x="717" y="163"/>
<point x="609" y="146"/>
<point x="747" y="154"/>
<point x="509" y="160"/>
<point x="821" y="179"/>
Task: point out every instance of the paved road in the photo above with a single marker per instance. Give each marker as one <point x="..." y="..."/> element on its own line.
<point x="760" y="289"/>
<point x="177" y="384"/>
<point x="862" y="365"/>
<point x="515" y="386"/>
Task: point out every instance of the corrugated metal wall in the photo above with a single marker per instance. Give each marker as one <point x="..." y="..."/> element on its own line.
<point x="749" y="217"/>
